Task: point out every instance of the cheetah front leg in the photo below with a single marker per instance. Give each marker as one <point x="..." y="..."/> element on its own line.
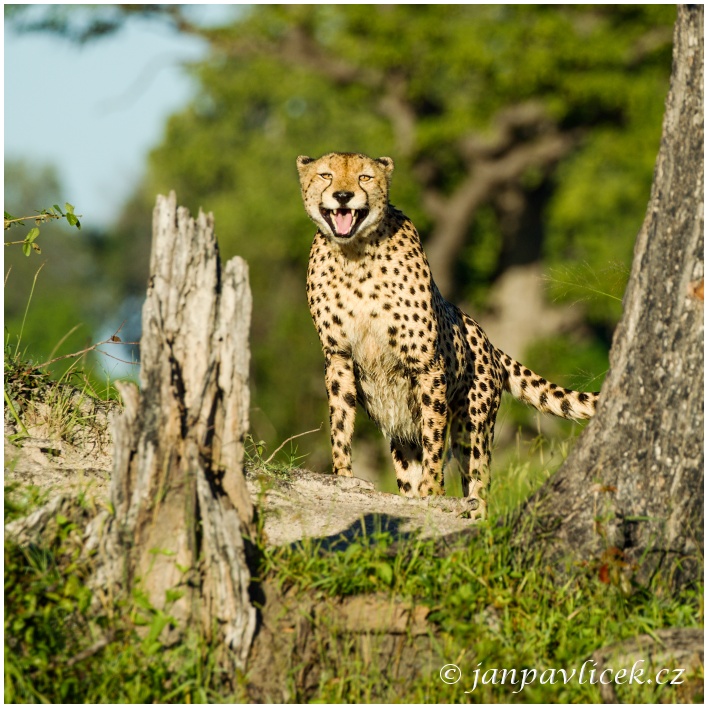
<point x="419" y="464"/>
<point x="341" y="393"/>
<point x="408" y="464"/>
<point x="432" y="385"/>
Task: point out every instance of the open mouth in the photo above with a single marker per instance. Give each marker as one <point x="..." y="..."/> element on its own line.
<point x="344" y="222"/>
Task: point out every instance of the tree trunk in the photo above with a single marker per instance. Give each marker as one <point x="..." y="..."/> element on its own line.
<point x="630" y="496"/>
<point x="181" y="507"/>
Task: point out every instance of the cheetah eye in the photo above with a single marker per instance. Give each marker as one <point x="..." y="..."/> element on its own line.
<point x="325" y="175"/>
<point x="365" y="178"/>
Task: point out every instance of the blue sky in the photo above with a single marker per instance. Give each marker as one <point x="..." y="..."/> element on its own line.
<point x="95" y="111"/>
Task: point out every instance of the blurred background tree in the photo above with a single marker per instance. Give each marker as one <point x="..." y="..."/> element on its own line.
<point x="524" y="138"/>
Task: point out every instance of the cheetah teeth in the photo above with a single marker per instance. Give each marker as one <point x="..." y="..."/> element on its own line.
<point x="344" y="222"/>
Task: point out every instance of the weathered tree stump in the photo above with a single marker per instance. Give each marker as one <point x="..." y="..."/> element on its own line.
<point x="181" y="507"/>
<point x="630" y="494"/>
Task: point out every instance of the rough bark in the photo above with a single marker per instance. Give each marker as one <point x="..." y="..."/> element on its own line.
<point x="630" y="495"/>
<point x="179" y="497"/>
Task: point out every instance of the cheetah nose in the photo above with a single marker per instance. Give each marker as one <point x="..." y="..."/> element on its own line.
<point x="343" y="197"/>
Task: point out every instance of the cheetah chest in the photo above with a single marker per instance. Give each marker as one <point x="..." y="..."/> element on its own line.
<point x="376" y="306"/>
<point x="382" y="365"/>
<point x="386" y="389"/>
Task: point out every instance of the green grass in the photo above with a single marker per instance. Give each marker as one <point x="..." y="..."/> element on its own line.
<point x="491" y="609"/>
<point x="58" y="649"/>
<point x="488" y="609"/>
<point x="71" y="407"/>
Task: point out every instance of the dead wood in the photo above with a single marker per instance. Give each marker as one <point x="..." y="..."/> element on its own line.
<point x="179" y="498"/>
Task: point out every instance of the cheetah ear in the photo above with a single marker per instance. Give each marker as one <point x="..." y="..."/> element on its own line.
<point x="386" y="163"/>
<point x="303" y="160"/>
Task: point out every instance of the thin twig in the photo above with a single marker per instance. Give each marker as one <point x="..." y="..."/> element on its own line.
<point x="117" y="358"/>
<point x="13" y="243"/>
<point x="36" y="217"/>
<point x="63" y="339"/>
<point x="93" y="649"/>
<point x="111" y="340"/>
<point x="299" y="435"/>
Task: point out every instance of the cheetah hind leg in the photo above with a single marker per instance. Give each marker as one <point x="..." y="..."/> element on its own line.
<point x="470" y="450"/>
<point x="408" y="464"/>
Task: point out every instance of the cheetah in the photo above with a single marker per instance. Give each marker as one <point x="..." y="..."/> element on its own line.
<point x="423" y="370"/>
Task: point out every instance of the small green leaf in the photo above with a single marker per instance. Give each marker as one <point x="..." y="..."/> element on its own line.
<point x="72" y="587"/>
<point x="26" y="248"/>
<point x="36" y="248"/>
<point x="32" y="235"/>
<point x="73" y="221"/>
<point x="57" y="208"/>
<point x="173" y="595"/>
<point x="352" y="550"/>
<point x="141" y="620"/>
<point x="69" y="208"/>
<point x="159" y="622"/>
<point x="142" y="600"/>
<point x="385" y="572"/>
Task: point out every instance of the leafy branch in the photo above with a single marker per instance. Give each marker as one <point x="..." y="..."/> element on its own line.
<point x="44" y="216"/>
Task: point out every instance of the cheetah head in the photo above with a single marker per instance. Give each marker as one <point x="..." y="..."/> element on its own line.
<point x="345" y="194"/>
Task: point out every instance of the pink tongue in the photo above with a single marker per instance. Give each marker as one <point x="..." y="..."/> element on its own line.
<point x="343" y="221"/>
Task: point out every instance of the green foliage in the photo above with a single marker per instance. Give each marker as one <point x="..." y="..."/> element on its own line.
<point x="488" y="603"/>
<point x="45" y="306"/>
<point x="490" y="608"/>
<point x="32" y="398"/>
<point x="56" y="311"/>
<point x="59" y="650"/>
<point x="595" y="217"/>
<point x="28" y="243"/>
<point x="279" y="463"/>
<point x="21" y="500"/>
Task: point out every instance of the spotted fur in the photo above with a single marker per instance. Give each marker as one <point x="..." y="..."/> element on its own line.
<point x="423" y="370"/>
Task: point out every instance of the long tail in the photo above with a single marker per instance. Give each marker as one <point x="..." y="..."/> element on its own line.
<point x="547" y="397"/>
